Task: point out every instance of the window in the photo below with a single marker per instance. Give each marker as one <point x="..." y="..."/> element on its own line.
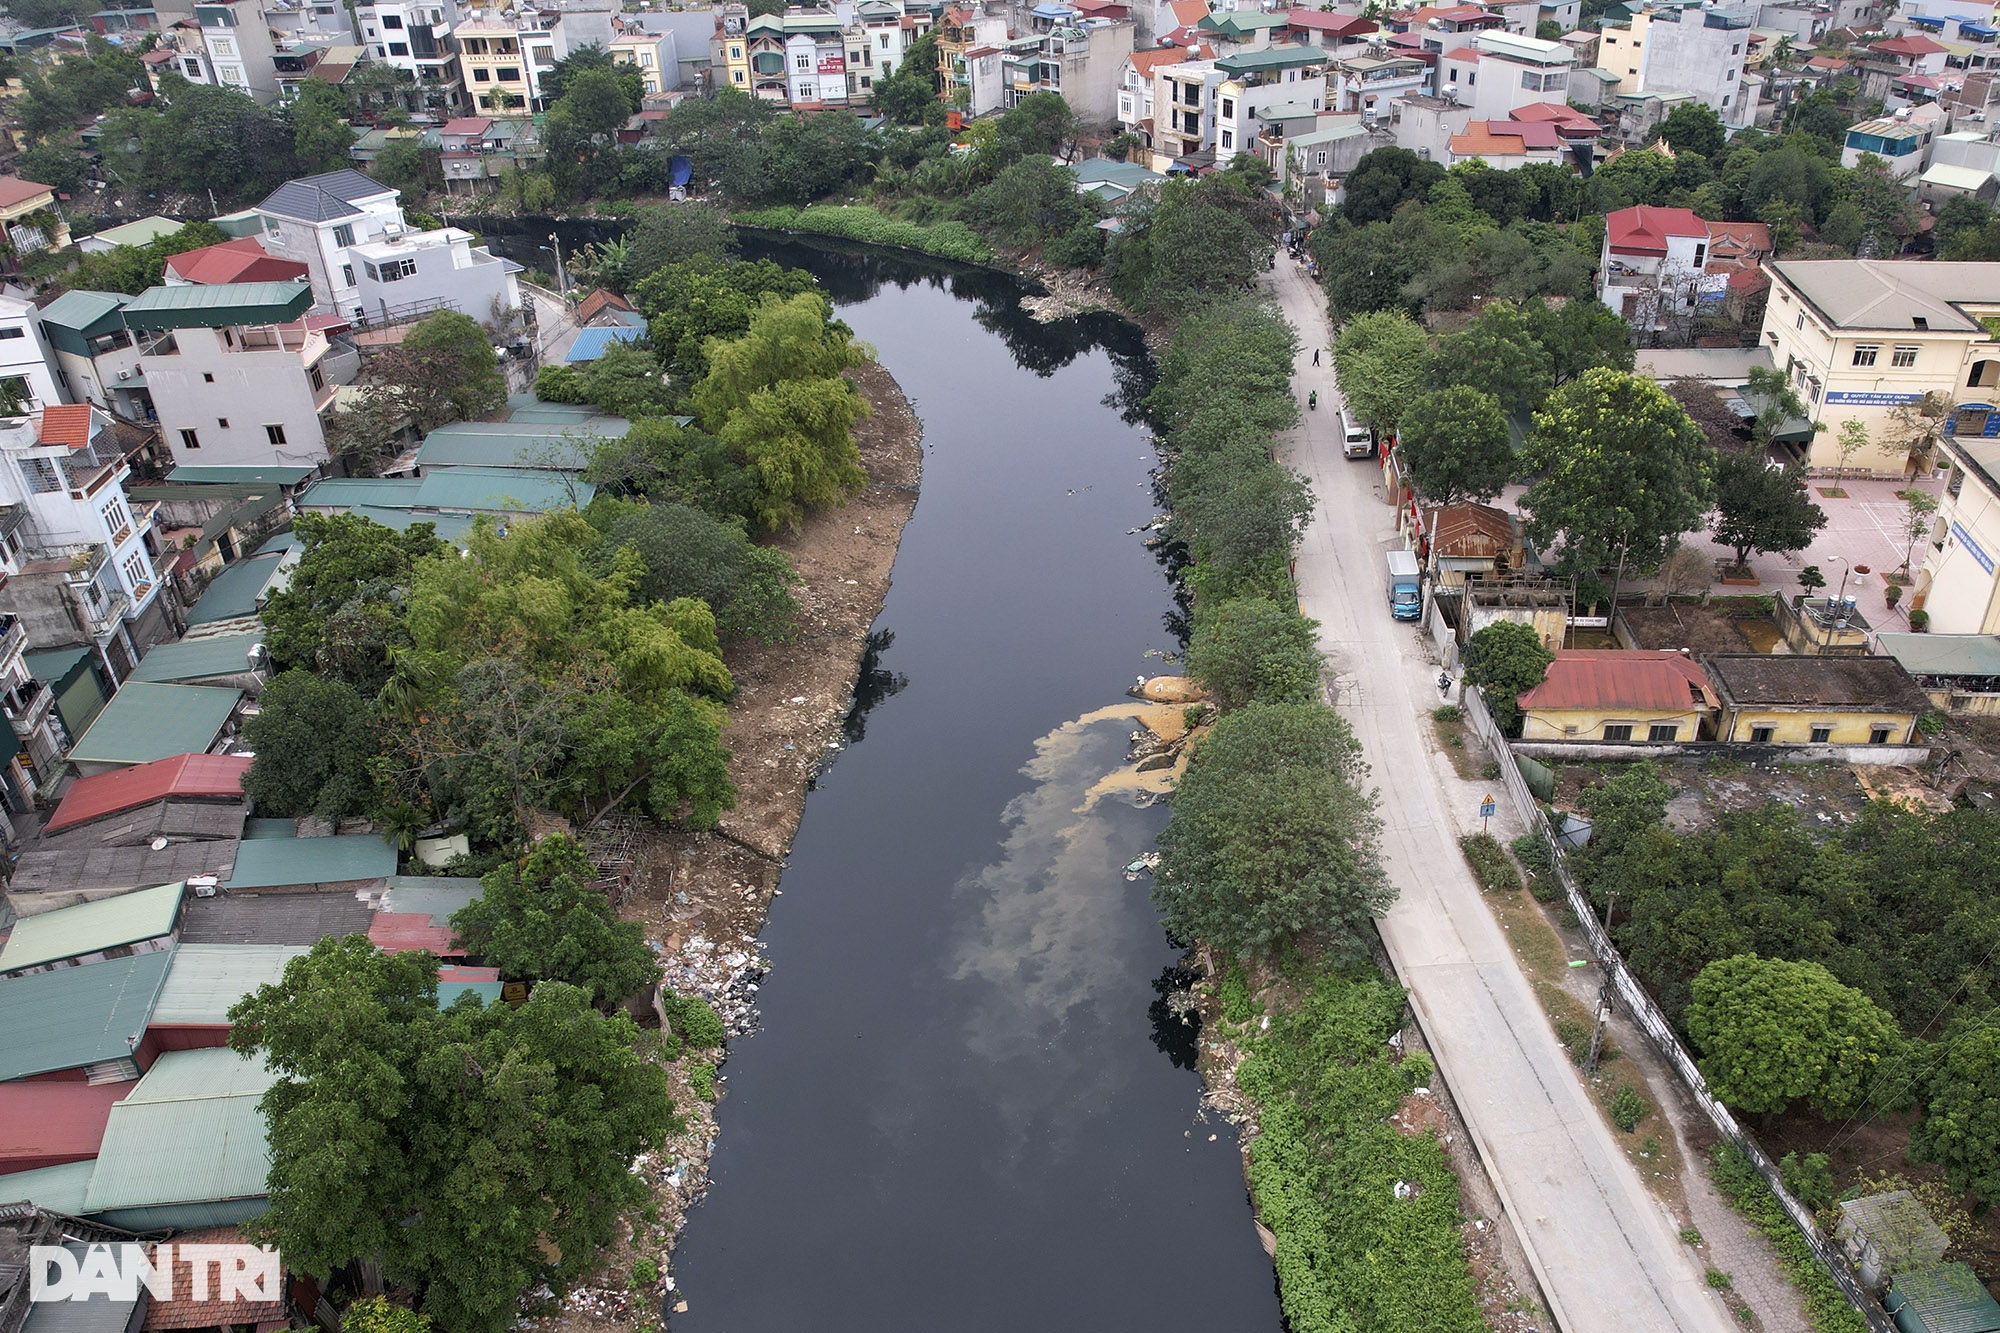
<point x="399" y="48"/>
<point x="802" y="62"/>
<point x="509" y="74"/>
<point x="1878" y="734"/>
<point x="193" y="66"/>
<point x="736" y="52"/>
<point x="482" y="75"/>
<point x="347" y="275"/>
<point x="1736" y="49"/>
<point x="1618" y="731"/>
<point x="1760" y="735"/>
<point x="12" y="333"/>
<point x="189" y="440"/>
<point x="1821" y="735"/>
<point x="1903" y="357"/>
<point x="1663" y="731"/>
<point x="392" y="21"/>
<point x="1228" y="108"/>
<point x="1865" y="353"/>
<point x="116" y="518"/>
<point x="1228" y="139"/>
<point x="1802" y="321"/>
<point x="318" y="380"/>
<point x="41" y="475"/>
<point x="274" y="434"/>
<point x="395" y="270"/>
<point x="736" y="75"/>
<point x="343" y="235"/>
<point x="222" y="422"/>
<point x="138" y="573"/>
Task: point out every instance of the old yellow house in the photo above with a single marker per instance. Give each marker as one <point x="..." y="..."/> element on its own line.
<point x="1618" y="695"/>
<point x="1787" y="700"/>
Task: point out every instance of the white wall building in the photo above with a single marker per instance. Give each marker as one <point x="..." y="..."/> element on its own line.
<point x="1679" y="47"/>
<point x="26" y="363"/>
<point x="1651" y="267"/>
<point x="315" y="219"/>
<point x="402" y="276"/>
<point x="415" y="37"/>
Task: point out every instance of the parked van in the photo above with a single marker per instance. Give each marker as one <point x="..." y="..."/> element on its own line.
<point x="1356" y="440"/>
<point x="1406" y="597"/>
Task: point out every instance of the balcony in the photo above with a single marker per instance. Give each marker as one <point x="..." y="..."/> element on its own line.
<point x="13" y="640"/>
<point x="27" y="707"/>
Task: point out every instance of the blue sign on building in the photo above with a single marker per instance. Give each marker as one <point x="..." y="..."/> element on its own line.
<point x="1964" y="538"/>
<point x="1873" y="399"/>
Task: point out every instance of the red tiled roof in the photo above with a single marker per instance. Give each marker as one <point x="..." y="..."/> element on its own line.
<point x="183" y="1311"/>
<point x="1923" y="81"/>
<point x="240" y="260"/>
<point x="1625" y="678"/>
<point x="596" y="303"/>
<point x="1645" y="229"/>
<point x="1483" y="138"/>
<point x="1145" y="62"/>
<point x="66" y="424"/>
<point x="1188" y="12"/>
<point x="1465" y="53"/>
<point x="1750" y="236"/>
<point x="1909" y="44"/>
<point x="1554" y="113"/>
<point x="471" y="126"/>
<point x="402" y="932"/>
<point x="14" y="190"/>
<point x="214" y="775"/>
<point x="1319" y="20"/>
<point x="47" y="1124"/>
<point x="1748" y="280"/>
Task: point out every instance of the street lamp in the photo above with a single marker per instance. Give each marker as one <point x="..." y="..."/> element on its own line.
<point x="562" y="280"/>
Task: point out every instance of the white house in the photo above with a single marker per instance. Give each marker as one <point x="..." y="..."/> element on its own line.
<point x="417" y="272"/>
<point x="315" y="218"/>
<point x="1499" y="71"/>
<point x="27" y="366"/>
<point x="415" y="37"/>
<point x="1651" y="267"/>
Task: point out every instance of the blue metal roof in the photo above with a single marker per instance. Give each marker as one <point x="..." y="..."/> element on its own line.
<point x="590" y="343"/>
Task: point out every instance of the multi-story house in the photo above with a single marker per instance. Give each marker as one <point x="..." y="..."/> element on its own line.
<point x="1270" y="86"/>
<point x="404" y="276"/>
<point x="882" y="33"/>
<point x="497" y="63"/>
<point x="30" y="216"/>
<point x="815" y="47"/>
<point x="1899" y="140"/>
<point x="28" y="371"/>
<point x="1687" y="47"/>
<point x="1652" y="270"/>
<point x="1503" y="72"/>
<point x="79" y="556"/>
<point x="314" y="219"/>
<point x="181" y="50"/>
<point x="1878" y="342"/>
<point x="653" y="54"/>
<point x="729" y="48"/>
<point x="1369" y="83"/>
<point x="1082" y="61"/>
<point x="1183" y="111"/>
<point x="241" y="50"/>
<point x="959" y="30"/>
<point x="237" y="375"/>
<point x="1135" y="86"/>
<point x="1959" y="585"/>
<point x="415" y="37"/>
<point x="95" y="352"/>
<point x="1330" y="31"/>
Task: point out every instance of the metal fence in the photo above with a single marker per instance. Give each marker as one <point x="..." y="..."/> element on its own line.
<point x="1639" y="1007"/>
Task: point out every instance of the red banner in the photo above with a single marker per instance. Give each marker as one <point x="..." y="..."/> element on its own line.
<point x="833" y="64"/>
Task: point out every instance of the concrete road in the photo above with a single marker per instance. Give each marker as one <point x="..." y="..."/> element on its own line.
<point x="1608" y="1257"/>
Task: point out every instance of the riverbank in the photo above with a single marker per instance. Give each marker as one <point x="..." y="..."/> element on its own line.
<point x="702" y="897"/>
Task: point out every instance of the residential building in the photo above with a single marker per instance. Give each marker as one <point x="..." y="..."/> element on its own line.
<point x="1500" y="71"/>
<point x="141" y="922"/>
<point x="235" y="375"/>
<point x="1308" y="164"/>
<point x="1902" y="69"/>
<point x="1959" y="585"/>
<point x="1437" y="29"/>
<point x="1369" y="83"/>
<point x="79" y="556"/>
<point x="1541" y="132"/>
<point x="241" y="49"/>
<point x="1183" y="112"/>
<point x="28" y="211"/>
<point x="1332" y="32"/>
<point x="1241" y="29"/>
<point x="654" y="55"/>
<point x="182" y="50"/>
<point x="1683" y="46"/>
<point x="201" y="1111"/>
<point x="1425" y="125"/>
<point x="1784" y="699"/>
<point x="1897" y="140"/>
<point x="1619" y="695"/>
<point x="314" y="219"/>
<point x="958" y="31"/>
<point x="142" y="232"/>
<point x="28" y="370"/>
<point x="241" y="260"/>
<point x="1962" y="163"/>
<point x="403" y="276"/>
<point x="186" y="797"/>
<point x="1135" y="86"/>
<point x="1264" y="91"/>
<point x="815" y="48"/>
<point x="495" y="64"/>
<point x="764" y="45"/>
<point x="1868" y="340"/>
<point x="729" y="47"/>
<point x="415" y="36"/>
<point x="1651" y="270"/>
<point x="1082" y="61"/>
<point x="879" y="36"/>
<point x="1471" y="541"/>
<point x="65" y="1025"/>
<point x="95" y="354"/>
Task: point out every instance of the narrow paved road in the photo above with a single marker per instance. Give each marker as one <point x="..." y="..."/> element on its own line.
<point x="1606" y="1254"/>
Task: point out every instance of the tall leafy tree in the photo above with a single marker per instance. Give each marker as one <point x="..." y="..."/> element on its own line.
<point x="1619" y="472"/>
<point x="347" y="564"/>
<point x="1499" y="355"/>
<point x="1580" y="336"/>
<point x="313" y="740"/>
<point x="444" y="370"/>
<point x="1762" y="508"/>
<point x="1960" y="1130"/>
<point x="689" y="302"/>
<point x="1381" y="359"/>
<point x="1273" y="837"/>
<point x="1383" y="181"/>
<point x="687" y="231"/>
<point x="1250" y="650"/>
<point x="691" y="554"/>
<point x="1693" y="127"/>
<point x="1505" y="660"/>
<point x="1772" y="1032"/>
<point x="1455" y="446"/>
<point x="320" y="134"/>
<point x="544" y="919"/>
<point x="472" y="1153"/>
<point x="909" y="95"/>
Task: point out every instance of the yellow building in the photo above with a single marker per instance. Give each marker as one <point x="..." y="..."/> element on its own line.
<point x="646" y="52"/>
<point x="1958" y="587"/>
<point x="28" y="212"/>
<point x="496" y="71"/>
<point x="1618" y="695"/>
<point x="728" y="52"/>
<point x="1780" y="699"/>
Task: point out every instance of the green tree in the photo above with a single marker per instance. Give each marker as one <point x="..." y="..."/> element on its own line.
<point x="1692" y="127"/>
<point x="1580" y="336"/>
<point x="445" y="371"/>
<point x="320" y="134"/>
<point x="1381" y="359"/>
<point x="688" y="303"/>
<point x="908" y="95"/>
<point x="1250" y="650"/>
<point x="1146" y="259"/>
<point x="1919" y="512"/>
<point x="797" y="437"/>
<point x="687" y="231"/>
<point x="1960" y="1130"/>
<point x="1454" y="446"/>
<point x="410" y="164"/>
<point x="1273" y="838"/>
<point x="1763" y="508"/>
<point x="1241" y="515"/>
<point x="347" y="565"/>
<point x="1383" y="181"/>
<point x="559" y="79"/>
<point x="55" y="163"/>
<point x="313" y="739"/>
<point x="626" y="381"/>
<point x="1771" y="1032"/>
<point x="375" y="1314"/>
<point x="1031" y="203"/>
<point x="472" y="1153"/>
<point x="691" y="554"/>
<point x="672" y="464"/>
<point x="1506" y="660"/>
<point x="544" y="919"/>
<point x="807" y="156"/>
<point x="597" y="101"/>
<point x="1622" y="807"/>
<point x="1498" y="355"/>
<point x="1618" y="470"/>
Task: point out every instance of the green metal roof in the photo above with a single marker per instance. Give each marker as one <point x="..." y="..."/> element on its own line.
<point x="268" y="863"/>
<point x="85" y="312"/>
<point x="60" y="1189"/>
<point x="1242" y="22"/>
<point x="190" y="1132"/>
<point x="77" y="1016"/>
<point x="448" y="993"/>
<point x="270" y="828"/>
<point x="241" y="472"/>
<point x="146" y="721"/>
<point x="511" y="449"/>
<point x="50" y="665"/>
<point x="1248" y="62"/>
<point x="353" y="492"/>
<point x="1943" y="1298"/>
<point x="450" y="527"/>
<point x="502" y="490"/>
<point x="437" y="896"/>
<point x="198" y="659"/>
<point x="206" y="979"/>
<point x="217" y="304"/>
<point x="236" y="591"/>
<point x="71" y="932"/>
<point x="135" y="233"/>
<point x="1945" y="654"/>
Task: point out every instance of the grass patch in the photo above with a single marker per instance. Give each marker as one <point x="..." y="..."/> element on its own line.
<point x="858" y="222"/>
<point x="1455" y="738"/>
<point x="1488" y="859"/>
<point x="1826" y="1308"/>
<point x="1351" y="1255"/>
<point x="701" y="1078"/>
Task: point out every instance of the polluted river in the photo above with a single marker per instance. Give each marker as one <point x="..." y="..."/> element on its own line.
<point x="971" y="1103"/>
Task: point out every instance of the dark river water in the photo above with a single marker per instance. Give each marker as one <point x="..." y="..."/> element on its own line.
<point x="966" y="1108"/>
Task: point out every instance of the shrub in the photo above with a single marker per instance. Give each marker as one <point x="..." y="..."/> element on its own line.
<point x="1533" y="853"/>
<point x="1628" y="1108"/>
<point x="694" y="1021"/>
<point x="1690" y="1236"/>
<point x="1490" y="770"/>
<point x="1233" y="990"/>
<point x="857" y="222"/>
<point x="1826" y="1308"/>
<point x="1448" y="713"/>
<point x="1920" y="621"/>
<point x="1809" y="1178"/>
<point x="1574" y="1034"/>
<point x="1489" y="863"/>
<point x="701" y="1078"/>
<point x="645" y="1272"/>
<point x="1720" y="1280"/>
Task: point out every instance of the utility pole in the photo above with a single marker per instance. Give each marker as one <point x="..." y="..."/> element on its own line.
<point x="562" y="279"/>
<point x="1597" y="1030"/>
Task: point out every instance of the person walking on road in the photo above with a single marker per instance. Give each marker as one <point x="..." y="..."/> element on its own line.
<point x="1315" y="356"/>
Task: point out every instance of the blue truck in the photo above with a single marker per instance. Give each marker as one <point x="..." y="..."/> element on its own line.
<point x="1406" y="596"/>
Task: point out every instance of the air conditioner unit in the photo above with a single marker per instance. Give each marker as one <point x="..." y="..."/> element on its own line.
<point x="124" y="374"/>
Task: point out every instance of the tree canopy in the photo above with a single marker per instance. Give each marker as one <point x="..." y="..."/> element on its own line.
<point x="1505" y="660"/>
<point x="1250" y="650"/>
<point x="1771" y="1032"/>
<point x="1382" y="361"/>
<point x="1455" y="446"/>
<point x="544" y="919"/>
<point x="1763" y="508"/>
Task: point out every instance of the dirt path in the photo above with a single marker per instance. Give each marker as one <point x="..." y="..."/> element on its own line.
<point x="702" y="896"/>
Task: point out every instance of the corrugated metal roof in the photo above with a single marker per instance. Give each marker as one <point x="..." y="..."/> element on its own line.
<point x="1944" y="654"/>
<point x="147" y="721"/>
<point x="236" y="591"/>
<point x="190" y="1132"/>
<point x="1942" y="1298"/>
<point x="241" y="472"/>
<point x="204" y="980"/>
<point x="49" y="1123"/>
<point x="592" y="343"/>
<point x="437" y="896"/>
<point x="198" y="659"/>
<point x="85" y="312"/>
<point x="502" y="490"/>
<point x="450" y="527"/>
<point x="1273" y="57"/>
<point x="50" y="665"/>
<point x="60" y="1189"/>
<point x="128" y="788"/>
<point x="402" y="932"/>
<point x="76" y="1016"/>
<point x="567" y="428"/>
<point x="266" y="863"/>
<point x="217" y="304"/>
<point x="100" y="1312"/>
<point x="135" y="233"/>
<point x="356" y="492"/>
<point x="514" y="450"/>
<point x="70" y="932"/>
<point x="274" y="918"/>
<point x="1622" y="678"/>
